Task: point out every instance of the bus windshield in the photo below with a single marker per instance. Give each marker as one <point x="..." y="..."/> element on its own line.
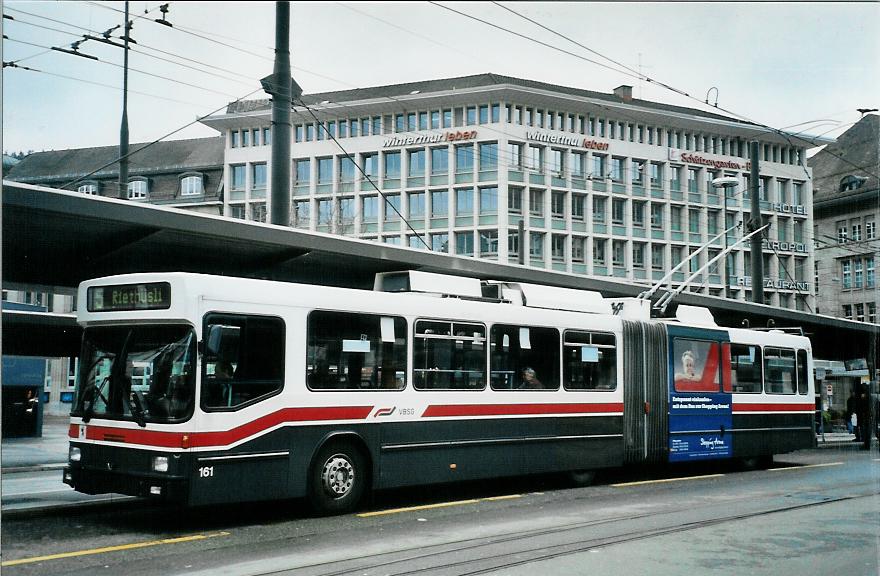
<point x="141" y="372"/>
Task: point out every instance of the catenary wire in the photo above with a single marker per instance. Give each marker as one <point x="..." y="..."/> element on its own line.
<point x="370" y="180"/>
<point x="134" y="50"/>
<point x="156" y="141"/>
<point x="640" y="76"/>
<point x="110" y="86"/>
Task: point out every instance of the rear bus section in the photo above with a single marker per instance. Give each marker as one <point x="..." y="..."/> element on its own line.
<point x="773" y="394"/>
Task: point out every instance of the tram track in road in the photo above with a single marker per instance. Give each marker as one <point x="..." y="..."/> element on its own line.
<point x="484" y="558"/>
<point x="471" y="554"/>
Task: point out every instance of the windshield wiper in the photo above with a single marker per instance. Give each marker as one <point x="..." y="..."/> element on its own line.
<point x="137" y="409"/>
<point x="90" y="395"/>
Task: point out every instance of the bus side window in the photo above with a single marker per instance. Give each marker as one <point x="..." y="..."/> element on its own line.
<point x="589" y="361"/>
<point x="449" y="355"/>
<point x="745" y="367"/>
<point x="244" y="359"/>
<point x="352" y="351"/>
<point x="519" y="350"/>
<point x="779" y="371"/>
<point x="803" y="372"/>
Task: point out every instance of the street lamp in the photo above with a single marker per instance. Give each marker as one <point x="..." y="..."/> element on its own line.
<point x="725" y="182"/>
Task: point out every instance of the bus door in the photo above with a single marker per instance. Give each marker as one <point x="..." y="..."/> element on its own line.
<point x="700" y="399"/>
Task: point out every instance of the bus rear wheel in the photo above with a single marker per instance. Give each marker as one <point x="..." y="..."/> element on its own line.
<point x="338" y="479"/>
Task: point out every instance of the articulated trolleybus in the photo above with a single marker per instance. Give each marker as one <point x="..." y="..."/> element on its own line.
<point x="252" y="390"/>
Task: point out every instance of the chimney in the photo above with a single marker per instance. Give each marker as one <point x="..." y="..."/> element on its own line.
<point x="624" y="92"/>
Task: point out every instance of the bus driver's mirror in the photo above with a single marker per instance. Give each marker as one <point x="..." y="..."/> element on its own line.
<point x="219" y="338"/>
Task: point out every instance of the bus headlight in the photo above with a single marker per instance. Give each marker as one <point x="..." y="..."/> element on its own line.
<point x="75" y="454"/>
<point x="160" y="463"/>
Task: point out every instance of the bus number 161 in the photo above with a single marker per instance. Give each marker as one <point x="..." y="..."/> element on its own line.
<point x="206" y="471"/>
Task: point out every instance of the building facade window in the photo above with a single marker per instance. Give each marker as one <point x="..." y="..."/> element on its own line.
<point x="464" y="243"/>
<point x="514" y="200"/>
<point x="557" y="247"/>
<point x="578" y="164"/>
<point x="557" y="204"/>
<point x="618" y="257"/>
<point x="416" y="204"/>
<point x="857" y="232"/>
<point x="577" y="207"/>
<point x="488" y="156"/>
<point x="370" y="208"/>
<point x="440" y="242"/>
<point x="599" y="251"/>
<point x="258" y="176"/>
<point x="392" y="165"/>
<point x="439" y="160"/>
<point x="439" y="203"/>
<point x="536" y="202"/>
<point x="370" y="166"/>
<point x="638" y="214"/>
<point x="536" y="245"/>
<point x="89" y="188"/>
<point x="464" y="202"/>
<point x="302" y="172"/>
<point x="577" y="249"/>
<point x="515" y="155"/>
<point x="657" y="216"/>
<point x="137" y="189"/>
<point x="657" y="257"/>
<point x="536" y="158"/>
<point x="488" y="242"/>
<point x="258" y="212"/>
<point x="346" y="169"/>
<point x="488" y="200"/>
<point x="618" y="211"/>
<point x="192" y="185"/>
<point x="599" y="209"/>
<point x="638" y="253"/>
<point x="416" y="164"/>
<point x="392" y="207"/>
<point x="464" y="159"/>
<point x="617" y="169"/>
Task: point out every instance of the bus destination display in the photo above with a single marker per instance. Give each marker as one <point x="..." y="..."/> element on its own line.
<point x="153" y="296"/>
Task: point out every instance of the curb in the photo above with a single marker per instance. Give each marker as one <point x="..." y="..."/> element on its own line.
<point x="70" y="507"/>
<point x="33" y="468"/>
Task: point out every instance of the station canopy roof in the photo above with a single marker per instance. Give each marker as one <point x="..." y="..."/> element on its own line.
<point x="53" y="240"/>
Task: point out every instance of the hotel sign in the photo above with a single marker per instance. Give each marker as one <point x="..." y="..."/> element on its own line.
<point x="785" y="246"/>
<point x="430" y="138"/>
<point x="790" y="209"/>
<point x="588" y="143"/>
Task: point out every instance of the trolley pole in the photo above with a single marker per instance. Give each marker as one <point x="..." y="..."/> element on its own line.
<point x="755" y="222"/>
<point x="123" y="130"/>
<point x="281" y="101"/>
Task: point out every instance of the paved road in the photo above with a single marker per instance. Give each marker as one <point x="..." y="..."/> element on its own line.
<point x="817" y="511"/>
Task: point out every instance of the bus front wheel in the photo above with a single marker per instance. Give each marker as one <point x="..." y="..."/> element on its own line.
<point x="338" y="479"/>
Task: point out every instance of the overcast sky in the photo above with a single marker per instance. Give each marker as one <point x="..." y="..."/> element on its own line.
<point x="807" y="66"/>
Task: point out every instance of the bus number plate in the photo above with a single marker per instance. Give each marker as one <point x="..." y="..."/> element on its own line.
<point x="206" y="471"/>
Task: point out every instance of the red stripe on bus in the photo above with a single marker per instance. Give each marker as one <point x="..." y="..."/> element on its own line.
<point x="774" y="407"/>
<point x="223" y="437"/>
<point x="518" y="409"/>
